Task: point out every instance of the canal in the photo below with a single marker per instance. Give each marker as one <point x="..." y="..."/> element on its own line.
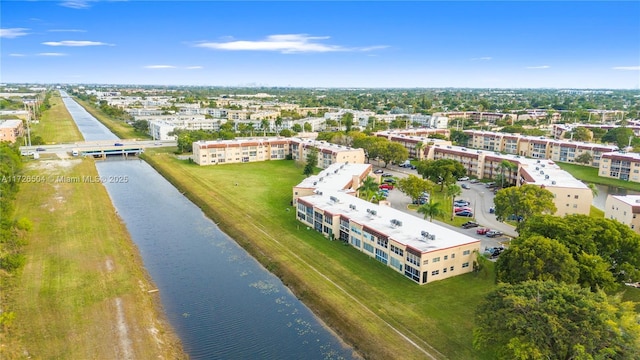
<point x="222" y="303"/>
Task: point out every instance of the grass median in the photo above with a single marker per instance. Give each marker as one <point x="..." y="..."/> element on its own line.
<point x="56" y="125"/>
<point x="83" y="292"/>
<point x="376" y="310"/>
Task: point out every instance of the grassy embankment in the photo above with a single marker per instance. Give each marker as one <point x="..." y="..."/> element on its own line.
<point x="55" y="125"/>
<point x="83" y="291"/>
<point x="590" y="175"/>
<point x="360" y="298"/>
<point x="119" y="128"/>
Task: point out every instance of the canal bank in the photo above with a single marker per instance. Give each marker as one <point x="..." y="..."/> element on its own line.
<point x="221" y="302"/>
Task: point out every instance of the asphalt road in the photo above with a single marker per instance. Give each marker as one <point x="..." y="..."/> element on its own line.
<point x="481" y="200"/>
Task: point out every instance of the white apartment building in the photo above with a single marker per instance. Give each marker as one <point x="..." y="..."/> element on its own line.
<point x="420" y="250"/>
<point x="625" y="209"/>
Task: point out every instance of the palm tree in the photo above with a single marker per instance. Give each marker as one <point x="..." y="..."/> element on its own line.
<point x="452" y="191"/>
<point x="594" y="189"/>
<point x="431" y="209"/>
<point x="505" y="165"/>
<point x="419" y="147"/>
<point x="368" y="188"/>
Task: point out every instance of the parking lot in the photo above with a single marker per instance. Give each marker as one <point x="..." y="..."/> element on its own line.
<point x="480" y="198"/>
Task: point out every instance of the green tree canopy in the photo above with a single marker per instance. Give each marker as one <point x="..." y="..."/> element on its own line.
<point x="596" y="243"/>
<point x="550" y="320"/>
<point x="312" y="161"/>
<point x="619" y="136"/>
<point x="523" y="201"/>
<point x="584" y="158"/>
<point x="368" y="188"/>
<point x="414" y="186"/>
<point x="431" y="209"/>
<point x="443" y="171"/>
<point x="393" y="152"/>
<point x="537" y="258"/>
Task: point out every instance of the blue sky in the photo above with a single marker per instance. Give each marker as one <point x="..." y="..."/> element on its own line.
<point x="478" y="44"/>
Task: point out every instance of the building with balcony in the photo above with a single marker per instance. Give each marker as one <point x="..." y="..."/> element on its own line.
<point x="623" y="166"/>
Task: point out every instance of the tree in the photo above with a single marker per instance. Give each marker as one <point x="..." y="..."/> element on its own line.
<point x="584" y="158"/>
<point x="550" y="320"/>
<point x="368" y="188"/>
<point x="608" y="252"/>
<point x="431" y="209"/>
<point x="593" y="188"/>
<point x="453" y="190"/>
<point x="393" y="152"/>
<point x="459" y="137"/>
<point x="506" y="165"/>
<point x="442" y="171"/>
<point x="286" y="133"/>
<point x="620" y="136"/>
<point x="312" y="162"/>
<point x="307" y="127"/>
<point x="537" y="258"/>
<point x="347" y="121"/>
<point x="141" y="126"/>
<point x="414" y="186"/>
<point x="579" y="134"/>
<point x="523" y="202"/>
<point x="296" y="128"/>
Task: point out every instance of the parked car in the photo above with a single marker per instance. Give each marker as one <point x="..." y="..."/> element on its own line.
<point x="420" y="201"/>
<point x="464" y="178"/>
<point x="378" y="171"/>
<point x="493" y="233"/>
<point x="470" y="224"/>
<point x="465" y="213"/>
<point x="482" y="231"/>
<point x="413" y="167"/>
<point x="387" y="175"/>
<point x="390" y="181"/>
<point x="386" y="186"/>
<point x="465" y="186"/>
<point x="492" y="210"/>
<point x="474" y="181"/>
<point x="118" y="144"/>
<point x="513" y="217"/>
<point x="489" y="185"/>
<point x="461" y="203"/>
<point x="464" y="208"/>
<point x="41" y="149"/>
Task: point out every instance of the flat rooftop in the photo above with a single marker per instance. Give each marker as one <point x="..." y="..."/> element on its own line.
<point x="336" y="176"/>
<point x="408" y="233"/>
<point x="632" y="200"/>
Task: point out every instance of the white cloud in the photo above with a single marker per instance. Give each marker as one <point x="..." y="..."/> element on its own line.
<point x="286" y="44"/>
<point x="52" y="54"/>
<point x="67" y="30"/>
<point x="13" y="32"/>
<point x="538" y="67"/>
<point x="193" y="67"/>
<point x="76" y="4"/>
<point x="75" y="43"/>
<point x="17" y="55"/>
<point x="159" y="67"/>
<point x="484" y="58"/>
<point x="629" y="68"/>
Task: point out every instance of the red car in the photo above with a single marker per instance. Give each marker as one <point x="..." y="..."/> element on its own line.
<point x="482" y="231"/>
<point x="386" y="186"/>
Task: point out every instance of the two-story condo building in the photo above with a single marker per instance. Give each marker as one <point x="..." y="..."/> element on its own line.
<point x="418" y="249"/>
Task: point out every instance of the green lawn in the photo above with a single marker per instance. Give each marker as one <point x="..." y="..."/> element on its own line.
<point x="82" y="273"/>
<point x="357" y="296"/>
<point x="590" y="175"/>
<point x="595" y="212"/>
<point x="56" y="125"/>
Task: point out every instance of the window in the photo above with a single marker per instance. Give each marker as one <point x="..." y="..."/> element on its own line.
<point x="444" y="271"/>
<point x="575" y="206"/>
<point x="395" y="263"/>
<point x="451" y="268"/>
<point x="381" y="256"/>
<point x="355" y="241"/>
<point x="368" y="247"/>
<point x="435" y="272"/>
<point x="446" y="257"/>
<point x="413" y="259"/>
<point x="466" y="252"/>
<point x="397" y="250"/>
<point x="436" y="259"/>
<point x="465" y="265"/>
<point x="575" y="197"/>
<point x="453" y="256"/>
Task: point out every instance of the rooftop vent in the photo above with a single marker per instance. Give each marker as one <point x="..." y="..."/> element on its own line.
<point x="553" y="182"/>
<point x="352" y="207"/>
<point x="319" y="193"/>
<point x="546" y="177"/>
<point x="334" y="199"/>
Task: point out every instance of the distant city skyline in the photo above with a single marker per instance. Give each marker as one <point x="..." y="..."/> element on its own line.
<point x="327" y="44"/>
